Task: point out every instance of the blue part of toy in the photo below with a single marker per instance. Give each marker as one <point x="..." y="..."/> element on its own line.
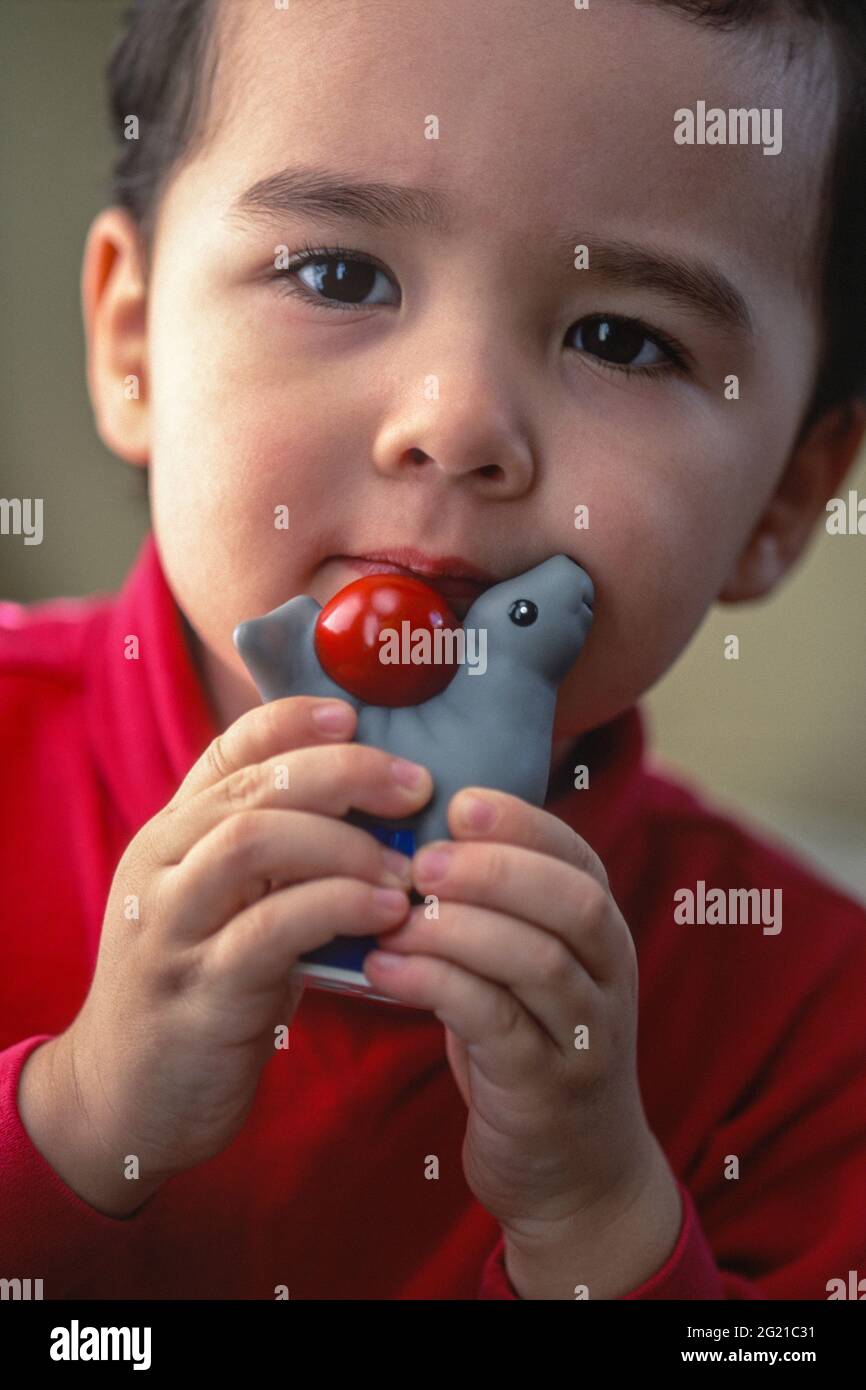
<point x="348" y="952"/>
<point x="344" y="952"/>
<point x="401" y="840"/>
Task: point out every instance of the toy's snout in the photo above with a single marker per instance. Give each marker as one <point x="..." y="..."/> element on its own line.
<point x="583" y="589"/>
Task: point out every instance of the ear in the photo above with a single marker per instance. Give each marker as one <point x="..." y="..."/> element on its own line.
<point x="114" y="304"/>
<point x="815" y="469"/>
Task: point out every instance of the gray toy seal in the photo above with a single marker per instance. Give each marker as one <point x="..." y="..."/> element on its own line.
<point x="492" y="728"/>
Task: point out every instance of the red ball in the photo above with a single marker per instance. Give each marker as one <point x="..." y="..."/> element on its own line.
<point x="348" y="643"/>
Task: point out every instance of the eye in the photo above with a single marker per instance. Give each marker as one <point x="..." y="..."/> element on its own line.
<point x="335" y="278"/>
<point x="523" y="612"/>
<point x="628" y="345"/>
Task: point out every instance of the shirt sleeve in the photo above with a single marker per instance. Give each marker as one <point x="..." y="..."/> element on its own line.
<point x="690" y="1271"/>
<point x="46" y="1231"/>
<point x="792" y="1223"/>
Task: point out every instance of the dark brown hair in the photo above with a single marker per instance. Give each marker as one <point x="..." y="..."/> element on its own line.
<point x="162" y="67"/>
<point x="160" y="70"/>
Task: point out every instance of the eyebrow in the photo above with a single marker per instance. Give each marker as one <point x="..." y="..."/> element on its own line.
<point x="330" y="196"/>
<point x="694" y="284"/>
<point x="334" y="197"/>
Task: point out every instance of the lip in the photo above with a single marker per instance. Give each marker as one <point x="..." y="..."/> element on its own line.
<point x="417" y="562"/>
<point x="451" y="576"/>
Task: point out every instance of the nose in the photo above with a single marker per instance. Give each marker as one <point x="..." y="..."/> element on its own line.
<point x="460" y="437"/>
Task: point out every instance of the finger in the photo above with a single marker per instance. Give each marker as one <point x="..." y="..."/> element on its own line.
<point x="236" y="862"/>
<point x="512" y="821"/>
<point x="539" y="969"/>
<point x="514" y="1048"/>
<point x="256" y="950"/>
<point x="258" y="734"/>
<point x="294" y="993"/>
<point x="326" y="780"/>
<point x="561" y="899"/>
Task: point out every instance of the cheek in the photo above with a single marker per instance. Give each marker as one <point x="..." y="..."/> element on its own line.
<point x="240" y="443"/>
<point x="237" y="493"/>
<point x="230" y="444"/>
<point x="663" y="533"/>
<point x="651" y="531"/>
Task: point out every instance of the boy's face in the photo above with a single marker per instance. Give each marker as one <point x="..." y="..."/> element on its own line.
<point x="555" y="128"/>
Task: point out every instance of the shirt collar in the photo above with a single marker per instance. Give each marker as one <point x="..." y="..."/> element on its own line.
<point x="604" y="811"/>
<point x="150" y="719"/>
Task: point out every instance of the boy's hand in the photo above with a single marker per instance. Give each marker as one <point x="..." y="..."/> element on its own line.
<point x="195" y="959"/>
<point x="533" y="971"/>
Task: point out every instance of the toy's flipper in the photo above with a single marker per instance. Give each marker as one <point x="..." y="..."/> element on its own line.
<point x="278" y="651"/>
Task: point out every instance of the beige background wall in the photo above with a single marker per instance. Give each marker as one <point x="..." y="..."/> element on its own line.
<point x="780" y="733"/>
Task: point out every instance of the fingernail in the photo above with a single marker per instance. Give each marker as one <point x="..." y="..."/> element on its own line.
<point x="390" y="901"/>
<point x="333" y="718"/>
<point x="432" y="864"/>
<point x="387" y="959"/>
<point x="397" y="868"/>
<point x="406" y="774"/>
<point x="475" y="813"/>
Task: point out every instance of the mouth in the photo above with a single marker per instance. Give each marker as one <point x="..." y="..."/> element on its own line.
<point x="456" y="580"/>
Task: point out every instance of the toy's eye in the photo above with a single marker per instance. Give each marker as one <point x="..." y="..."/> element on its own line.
<point x="523" y="612"/>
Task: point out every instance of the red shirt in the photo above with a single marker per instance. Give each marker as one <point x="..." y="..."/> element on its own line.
<point x="750" y="1044"/>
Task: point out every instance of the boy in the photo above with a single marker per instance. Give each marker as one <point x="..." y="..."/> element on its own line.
<point x="437" y="366"/>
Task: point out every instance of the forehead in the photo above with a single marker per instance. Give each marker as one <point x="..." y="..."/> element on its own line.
<point x="548" y="118"/>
